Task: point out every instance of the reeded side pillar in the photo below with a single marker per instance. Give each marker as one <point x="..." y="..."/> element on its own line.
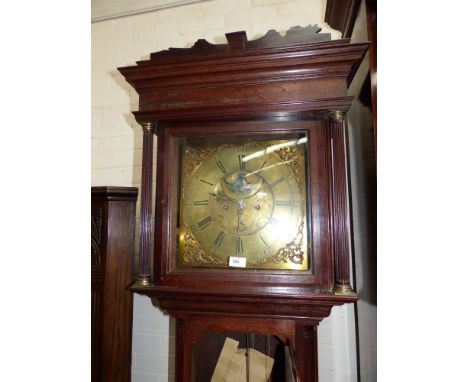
<point x="306" y="353"/>
<point x="144" y="270"/>
<point x="341" y="232"/>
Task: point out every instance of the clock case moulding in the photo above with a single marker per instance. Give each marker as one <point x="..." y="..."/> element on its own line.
<point x="295" y="83"/>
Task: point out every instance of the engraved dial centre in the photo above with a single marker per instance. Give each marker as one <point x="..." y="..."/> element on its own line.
<point x="241" y="203"/>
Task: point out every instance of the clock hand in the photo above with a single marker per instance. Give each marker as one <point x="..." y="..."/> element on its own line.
<point x="240" y="211"/>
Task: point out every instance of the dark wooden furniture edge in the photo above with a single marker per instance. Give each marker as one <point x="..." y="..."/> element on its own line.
<point x="371" y="10"/>
<point x="112" y="246"/>
<point x="341" y="15"/>
<point x="114" y="192"/>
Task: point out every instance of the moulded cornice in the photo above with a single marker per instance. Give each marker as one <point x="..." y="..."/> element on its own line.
<point x="272" y="76"/>
<point x="315" y="60"/>
<point x="306" y="306"/>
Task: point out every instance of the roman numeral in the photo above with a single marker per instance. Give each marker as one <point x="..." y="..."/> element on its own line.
<point x="204" y="181"/>
<point x="283" y="203"/>
<point x="263" y="240"/>
<point x="239" y="245"/>
<point x="205" y="222"/>
<point x="219" y="239"/>
<point x="221" y="167"/>
<point x="241" y="162"/>
<point x="200" y="202"/>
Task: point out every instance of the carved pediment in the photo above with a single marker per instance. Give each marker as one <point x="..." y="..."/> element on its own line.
<point x="237" y="41"/>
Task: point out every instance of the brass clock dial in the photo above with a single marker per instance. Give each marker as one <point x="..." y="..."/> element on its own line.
<point x="246" y="201"/>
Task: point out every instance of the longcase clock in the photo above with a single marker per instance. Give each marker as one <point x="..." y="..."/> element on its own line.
<point x="251" y="213"/>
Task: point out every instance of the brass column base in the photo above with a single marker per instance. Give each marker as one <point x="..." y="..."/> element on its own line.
<point x="143" y="281"/>
<point x="344" y="290"/>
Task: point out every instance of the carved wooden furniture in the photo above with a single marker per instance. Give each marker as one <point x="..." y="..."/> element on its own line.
<point x="290" y="89"/>
<point x="112" y="249"/>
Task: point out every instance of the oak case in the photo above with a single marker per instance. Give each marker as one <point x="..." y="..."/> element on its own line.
<point x="273" y="87"/>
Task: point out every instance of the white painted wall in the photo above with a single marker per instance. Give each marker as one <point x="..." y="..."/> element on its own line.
<point x="117" y="143"/>
<point x="110" y="9"/>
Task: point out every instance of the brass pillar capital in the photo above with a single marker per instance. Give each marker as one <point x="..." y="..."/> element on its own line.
<point x="337" y="115"/>
<point x="147" y="126"/>
<point x="143" y="281"/>
<point x="344" y="290"/>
